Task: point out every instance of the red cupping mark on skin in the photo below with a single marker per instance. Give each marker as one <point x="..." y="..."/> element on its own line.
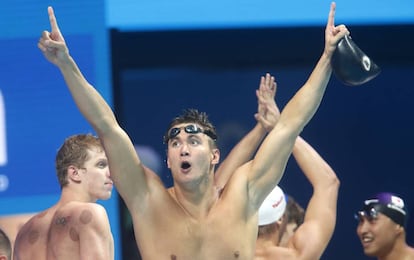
<point x="33" y="236"/>
<point x="73" y="234"/>
<point x="85" y="217"/>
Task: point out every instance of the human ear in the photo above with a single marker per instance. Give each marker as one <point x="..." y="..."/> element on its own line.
<point x="168" y="163"/>
<point x="399" y="229"/>
<point x="73" y="173"/>
<point x="216" y="156"/>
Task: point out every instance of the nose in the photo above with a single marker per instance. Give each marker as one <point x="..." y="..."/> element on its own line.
<point x="184" y="150"/>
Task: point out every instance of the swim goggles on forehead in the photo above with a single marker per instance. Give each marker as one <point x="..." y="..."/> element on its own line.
<point x="189" y="129"/>
<point x="369" y="213"/>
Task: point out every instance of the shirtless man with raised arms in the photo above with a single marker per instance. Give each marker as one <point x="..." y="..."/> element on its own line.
<point x="190" y="221"/>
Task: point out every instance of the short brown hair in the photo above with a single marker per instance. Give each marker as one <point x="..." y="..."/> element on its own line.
<point x="294" y="211"/>
<point x="74" y="151"/>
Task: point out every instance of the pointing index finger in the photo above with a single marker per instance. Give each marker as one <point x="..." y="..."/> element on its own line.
<point x="331" y="18"/>
<point x="53" y="23"/>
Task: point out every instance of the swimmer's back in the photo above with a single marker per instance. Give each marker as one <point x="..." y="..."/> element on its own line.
<point x="76" y="230"/>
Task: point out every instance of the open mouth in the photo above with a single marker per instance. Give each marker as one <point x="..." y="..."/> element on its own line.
<point x="185" y="165"/>
<point x="366" y="240"/>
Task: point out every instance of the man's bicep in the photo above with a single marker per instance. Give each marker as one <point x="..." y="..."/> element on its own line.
<point x="268" y="166"/>
<point x="125" y="167"/>
<point x="322" y="211"/>
<point x="309" y="248"/>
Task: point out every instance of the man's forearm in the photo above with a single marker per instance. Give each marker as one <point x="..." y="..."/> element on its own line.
<point x="87" y="99"/>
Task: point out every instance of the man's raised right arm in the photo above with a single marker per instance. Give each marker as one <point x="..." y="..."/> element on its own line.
<point x="118" y="146"/>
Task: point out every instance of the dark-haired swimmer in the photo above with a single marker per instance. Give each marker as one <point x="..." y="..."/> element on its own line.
<point x="381" y="227"/>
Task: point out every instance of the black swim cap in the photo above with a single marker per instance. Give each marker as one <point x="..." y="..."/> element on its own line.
<point x="388" y="204"/>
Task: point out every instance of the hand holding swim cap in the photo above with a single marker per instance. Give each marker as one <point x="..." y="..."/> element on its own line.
<point x="351" y="65"/>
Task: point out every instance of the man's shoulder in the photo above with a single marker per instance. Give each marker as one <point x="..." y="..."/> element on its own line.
<point x="38" y="221"/>
<point x="411" y="252"/>
<point x="82" y="213"/>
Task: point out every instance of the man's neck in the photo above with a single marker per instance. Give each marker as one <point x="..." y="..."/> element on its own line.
<point x="196" y="203"/>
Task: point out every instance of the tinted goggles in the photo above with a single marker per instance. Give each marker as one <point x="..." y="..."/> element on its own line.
<point x="369" y="213"/>
<point x="189" y="129"/>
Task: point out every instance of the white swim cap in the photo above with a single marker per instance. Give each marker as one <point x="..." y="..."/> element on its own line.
<point x="272" y="207"/>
